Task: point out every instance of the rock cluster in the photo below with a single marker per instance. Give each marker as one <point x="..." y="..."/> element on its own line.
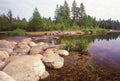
<point x="27" y="61"/>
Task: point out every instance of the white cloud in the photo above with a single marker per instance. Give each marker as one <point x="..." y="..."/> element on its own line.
<point x="24" y="8"/>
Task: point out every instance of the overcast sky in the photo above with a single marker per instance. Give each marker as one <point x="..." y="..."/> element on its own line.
<point x="103" y="9"/>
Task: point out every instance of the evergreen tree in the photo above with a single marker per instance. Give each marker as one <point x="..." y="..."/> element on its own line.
<point x="36" y="22"/>
<point x="9" y="15"/>
<point x="4" y="23"/>
<point x="62" y="16"/>
<point x="82" y="10"/>
<point x="66" y="10"/>
<point x="74" y="9"/>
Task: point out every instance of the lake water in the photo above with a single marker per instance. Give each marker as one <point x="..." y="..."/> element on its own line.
<point x="106" y="52"/>
<point x="100" y="63"/>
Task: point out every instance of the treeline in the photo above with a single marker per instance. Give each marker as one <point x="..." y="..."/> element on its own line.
<point x="8" y="23"/>
<point x="109" y="24"/>
<point x="65" y="18"/>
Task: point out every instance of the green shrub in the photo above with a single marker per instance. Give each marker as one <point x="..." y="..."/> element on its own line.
<point x="17" y="32"/>
<point x="83" y="45"/>
<point x="94" y="30"/>
<point x="69" y="44"/>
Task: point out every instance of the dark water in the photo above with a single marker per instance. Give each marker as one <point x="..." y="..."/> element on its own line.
<point x="105" y="56"/>
<point x="106" y="52"/>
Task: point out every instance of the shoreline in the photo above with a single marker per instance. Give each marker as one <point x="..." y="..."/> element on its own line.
<point x="60" y="33"/>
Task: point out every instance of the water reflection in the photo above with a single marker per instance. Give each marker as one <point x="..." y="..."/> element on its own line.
<point x="105" y="54"/>
<point x="101" y="64"/>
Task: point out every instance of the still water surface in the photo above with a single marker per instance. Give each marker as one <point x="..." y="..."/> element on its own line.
<point x="106" y="52"/>
<point x="102" y="62"/>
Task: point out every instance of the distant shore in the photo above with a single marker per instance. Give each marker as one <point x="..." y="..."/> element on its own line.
<point x="60" y="32"/>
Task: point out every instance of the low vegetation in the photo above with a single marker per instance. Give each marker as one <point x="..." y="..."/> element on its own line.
<point x="94" y="30"/>
<point x="83" y="45"/>
<point x="75" y="45"/>
<point x="17" y="32"/>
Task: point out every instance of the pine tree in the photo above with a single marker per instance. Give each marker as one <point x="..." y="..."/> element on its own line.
<point x="9" y="15"/>
<point x="74" y="10"/>
<point x="66" y="10"/>
<point x="82" y="10"/>
<point x="62" y="16"/>
<point x="36" y="23"/>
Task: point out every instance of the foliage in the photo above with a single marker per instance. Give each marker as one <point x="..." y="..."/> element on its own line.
<point x="66" y="18"/>
<point x="83" y="45"/>
<point x="92" y="30"/>
<point x="36" y="22"/>
<point x="17" y="32"/>
<point x="109" y="24"/>
<point x="69" y="44"/>
<point x="72" y="44"/>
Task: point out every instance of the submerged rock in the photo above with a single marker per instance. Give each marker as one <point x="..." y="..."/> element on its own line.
<point x="5" y="77"/>
<point x="25" y="68"/>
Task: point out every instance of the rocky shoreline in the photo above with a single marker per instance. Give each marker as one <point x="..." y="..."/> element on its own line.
<point x="27" y="60"/>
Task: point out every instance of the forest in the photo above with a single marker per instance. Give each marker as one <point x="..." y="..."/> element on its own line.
<point x="65" y="18"/>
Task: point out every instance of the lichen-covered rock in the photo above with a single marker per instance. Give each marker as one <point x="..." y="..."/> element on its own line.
<point x="53" y="60"/>
<point x="25" y="68"/>
<point x="5" y="77"/>
<point x="63" y="52"/>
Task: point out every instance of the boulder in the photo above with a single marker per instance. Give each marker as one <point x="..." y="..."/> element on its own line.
<point x="63" y="52"/>
<point x="5" y="77"/>
<point x="25" y="41"/>
<point x="36" y="50"/>
<point x="3" y="55"/>
<point x="44" y="75"/>
<point x="31" y="44"/>
<point x="13" y="43"/>
<point x="9" y="50"/>
<point x="25" y="68"/>
<point x="53" y="60"/>
<point x="51" y="50"/>
<point x="43" y="45"/>
<point x="21" y="49"/>
<point x="40" y="43"/>
<point x="2" y="65"/>
<point x="6" y="44"/>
